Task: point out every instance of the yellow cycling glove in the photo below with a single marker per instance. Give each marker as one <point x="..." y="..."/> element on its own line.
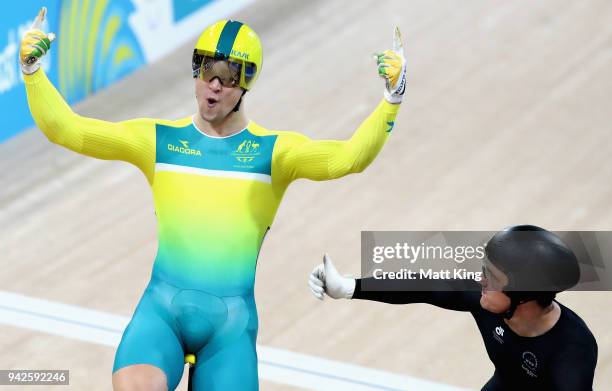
<point x="392" y="67"/>
<point x="34" y="44"/>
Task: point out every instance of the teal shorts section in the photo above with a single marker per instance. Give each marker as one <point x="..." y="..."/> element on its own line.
<point x="170" y="322"/>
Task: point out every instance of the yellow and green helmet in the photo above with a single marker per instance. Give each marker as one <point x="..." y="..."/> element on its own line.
<point x="230" y="40"/>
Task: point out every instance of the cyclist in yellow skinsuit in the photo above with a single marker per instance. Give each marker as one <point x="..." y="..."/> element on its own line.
<point x="217" y="180"/>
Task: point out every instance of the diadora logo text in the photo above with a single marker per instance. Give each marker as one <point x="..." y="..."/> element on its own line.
<point x="238" y="54"/>
<point x="184" y="149"/>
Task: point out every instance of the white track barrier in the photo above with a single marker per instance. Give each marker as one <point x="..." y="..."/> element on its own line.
<point x="275" y="365"/>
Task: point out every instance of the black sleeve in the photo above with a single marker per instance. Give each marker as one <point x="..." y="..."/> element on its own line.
<point x="574" y="368"/>
<point x="456" y="295"/>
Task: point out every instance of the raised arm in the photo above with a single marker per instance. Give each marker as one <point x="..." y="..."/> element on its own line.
<point x="456" y="295"/>
<point x="132" y="141"/>
<point x="300" y="157"/>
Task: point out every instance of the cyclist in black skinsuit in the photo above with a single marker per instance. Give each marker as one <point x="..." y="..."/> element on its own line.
<point x="535" y="342"/>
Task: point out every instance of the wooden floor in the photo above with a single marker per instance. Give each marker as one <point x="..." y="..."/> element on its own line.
<point x="507" y="119"/>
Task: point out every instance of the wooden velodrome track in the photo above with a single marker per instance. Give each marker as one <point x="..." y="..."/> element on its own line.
<point x="506" y="120"/>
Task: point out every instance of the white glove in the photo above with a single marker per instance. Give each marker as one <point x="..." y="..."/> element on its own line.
<point x="325" y="279"/>
<point x="34" y="44"/>
<point x="392" y="67"/>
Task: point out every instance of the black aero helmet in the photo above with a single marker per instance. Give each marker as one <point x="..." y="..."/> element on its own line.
<point x="536" y="261"/>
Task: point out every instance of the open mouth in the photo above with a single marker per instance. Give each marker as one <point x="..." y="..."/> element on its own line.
<point x="211" y="102"/>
